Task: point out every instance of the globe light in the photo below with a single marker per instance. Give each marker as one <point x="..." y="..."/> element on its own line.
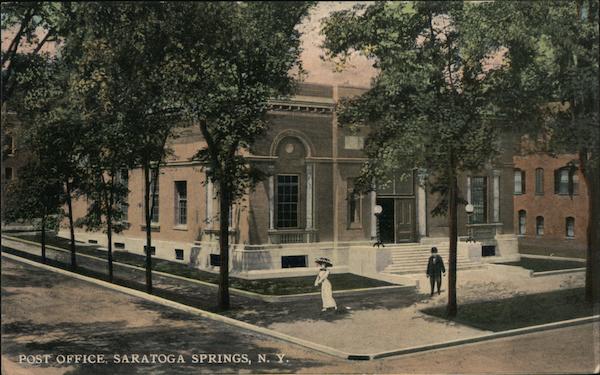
<point x="378" y="209"/>
<point x="469" y="208"/>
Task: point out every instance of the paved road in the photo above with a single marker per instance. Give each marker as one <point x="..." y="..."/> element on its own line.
<point x="47" y="313"/>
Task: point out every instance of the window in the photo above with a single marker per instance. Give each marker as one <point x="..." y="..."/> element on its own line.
<point x="119" y="245"/>
<point x="479" y="199"/>
<point x="123" y="181"/>
<point x="522" y="222"/>
<point x="570" y="227"/>
<point x="539" y="225"/>
<point x="8" y="145"/>
<point x="215" y="260"/>
<point x="539" y="181"/>
<point x="154" y="192"/>
<point x="566" y="181"/>
<point x="179" y="254"/>
<point x="520" y="187"/>
<point x="287" y="201"/>
<point x="180" y="202"/>
<point x="293" y="261"/>
<point x="354" y="205"/>
<point x="152" y="250"/>
<point x="8" y="173"/>
<point x="353" y="142"/>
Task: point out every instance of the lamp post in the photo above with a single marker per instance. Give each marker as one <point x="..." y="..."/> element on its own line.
<point x="469" y="210"/>
<point x="377" y="211"/>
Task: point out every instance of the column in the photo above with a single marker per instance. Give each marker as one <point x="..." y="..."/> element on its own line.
<point x="209" y="203"/>
<point x="469" y="190"/>
<point x="422" y="203"/>
<point x="496" y="196"/>
<point x="271" y="197"/>
<point x="373" y="198"/>
<point x="309" y="195"/>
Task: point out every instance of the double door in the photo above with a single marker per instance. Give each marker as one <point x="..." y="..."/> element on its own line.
<point x="397" y="220"/>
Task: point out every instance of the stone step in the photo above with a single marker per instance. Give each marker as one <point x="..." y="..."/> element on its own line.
<point x="418" y="270"/>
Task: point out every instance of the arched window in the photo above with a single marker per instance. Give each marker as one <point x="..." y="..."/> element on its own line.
<point x="522" y="222"/>
<point x="539" y="225"/>
<point x="539" y="181"/>
<point x="570" y="227"/>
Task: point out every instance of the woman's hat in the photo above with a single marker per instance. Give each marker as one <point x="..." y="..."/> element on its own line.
<point x="324" y="261"/>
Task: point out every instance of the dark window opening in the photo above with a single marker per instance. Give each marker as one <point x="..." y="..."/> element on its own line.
<point x="179" y="254"/>
<point x="215" y="260"/>
<point x="488" y="251"/>
<point x="152" y="250"/>
<point x="92" y="241"/>
<point x="119" y="245"/>
<point x="293" y="261"/>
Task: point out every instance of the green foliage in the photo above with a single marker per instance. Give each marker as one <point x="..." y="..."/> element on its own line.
<point x="30" y="26"/>
<point x="35" y="196"/>
<point x="240" y="55"/>
<point x="432" y="105"/>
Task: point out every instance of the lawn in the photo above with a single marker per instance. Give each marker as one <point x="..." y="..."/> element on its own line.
<point x="541" y="265"/>
<point x="275" y="286"/>
<point x="520" y="311"/>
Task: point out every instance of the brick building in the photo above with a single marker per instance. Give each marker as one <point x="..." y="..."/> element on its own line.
<point x="551" y="205"/>
<point x="306" y="208"/>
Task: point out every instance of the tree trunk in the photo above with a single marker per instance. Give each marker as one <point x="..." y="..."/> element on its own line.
<point x="71" y="225"/>
<point x="592" y="270"/>
<point x="453" y="239"/>
<point x="224" y="203"/>
<point x="44" y="240"/>
<point x="147" y="212"/>
<point x="109" y="226"/>
<point x="109" y="238"/>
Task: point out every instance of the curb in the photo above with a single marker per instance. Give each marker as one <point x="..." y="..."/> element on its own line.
<point x="305" y="343"/>
<point x="556" y="272"/>
<point x="491" y="336"/>
<point x="240" y="292"/>
<point x="552" y="257"/>
<point x="182" y="307"/>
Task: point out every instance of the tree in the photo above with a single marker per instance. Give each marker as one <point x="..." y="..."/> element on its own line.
<point x="240" y="56"/>
<point x="35" y="196"/>
<point x="32" y="26"/>
<point x="119" y="56"/>
<point x="51" y="126"/>
<point x="553" y="52"/>
<point x="432" y="105"/>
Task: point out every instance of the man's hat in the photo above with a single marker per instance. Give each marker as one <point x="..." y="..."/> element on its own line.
<point x="434" y="249"/>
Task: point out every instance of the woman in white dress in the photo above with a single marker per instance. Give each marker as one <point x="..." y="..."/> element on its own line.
<point x="326" y="291"/>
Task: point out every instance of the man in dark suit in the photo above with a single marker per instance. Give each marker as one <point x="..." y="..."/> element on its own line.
<point x="435" y="268"/>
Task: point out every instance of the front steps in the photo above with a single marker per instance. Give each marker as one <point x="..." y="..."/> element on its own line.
<point x="413" y="258"/>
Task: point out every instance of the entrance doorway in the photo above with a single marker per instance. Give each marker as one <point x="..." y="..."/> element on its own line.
<point x="387" y="220"/>
<point x="396" y="221"/>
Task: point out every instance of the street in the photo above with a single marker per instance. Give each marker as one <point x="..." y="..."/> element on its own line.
<point x="44" y="313"/>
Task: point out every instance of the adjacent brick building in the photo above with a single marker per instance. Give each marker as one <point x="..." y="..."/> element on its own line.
<point x="551" y="205"/>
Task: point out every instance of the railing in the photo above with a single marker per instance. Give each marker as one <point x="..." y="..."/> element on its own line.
<point x="292" y="236"/>
<point x="481" y="232"/>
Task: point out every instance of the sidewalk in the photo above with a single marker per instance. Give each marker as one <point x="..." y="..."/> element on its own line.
<point x="361" y="324"/>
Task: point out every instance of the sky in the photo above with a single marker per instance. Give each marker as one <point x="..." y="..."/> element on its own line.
<point x="359" y="70"/>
